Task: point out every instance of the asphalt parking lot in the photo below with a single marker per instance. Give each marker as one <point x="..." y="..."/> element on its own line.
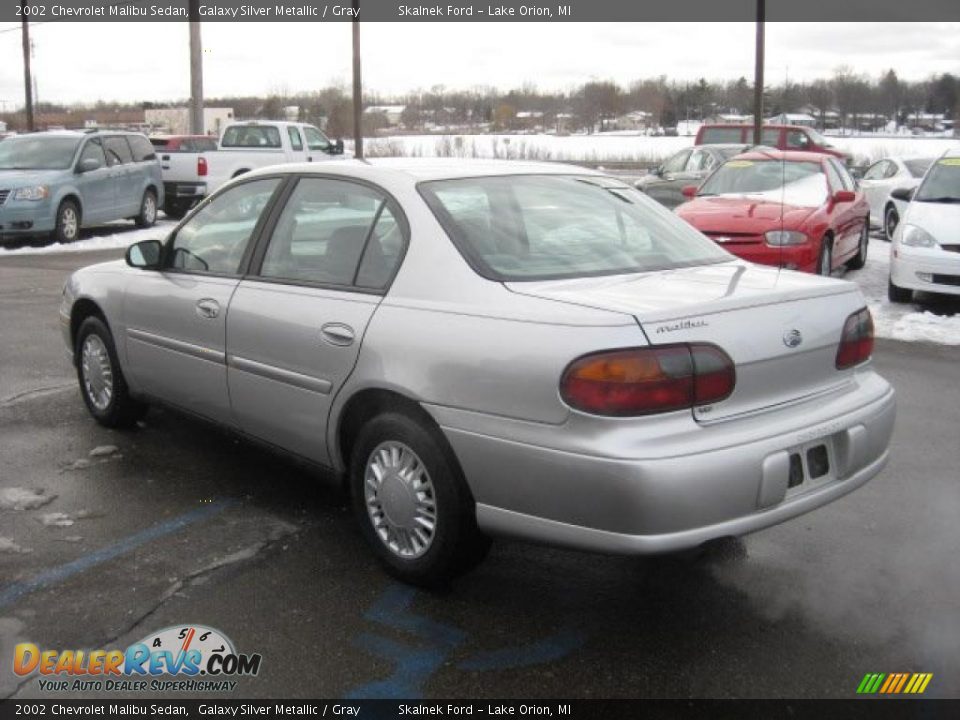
<point x="177" y="523"/>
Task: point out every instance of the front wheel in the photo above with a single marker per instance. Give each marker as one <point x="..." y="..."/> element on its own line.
<point x="860" y="259"/>
<point x="891" y="218"/>
<point x="412" y="502"/>
<point x="148" y="210"/>
<point x="67" y="228"/>
<point x="825" y="261"/>
<point x="102" y="383"/>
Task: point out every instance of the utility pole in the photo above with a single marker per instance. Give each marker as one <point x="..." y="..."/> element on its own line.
<point x="758" y="74"/>
<point x="196" y="71"/>
<point x="357" y="86"/>
<point x="27" y="81"/>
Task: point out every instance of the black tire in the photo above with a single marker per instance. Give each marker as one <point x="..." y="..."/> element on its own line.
<point x="825" y="258"/>
<point x="860" y="259"/>
<point x="175" y="210"/>
<point x="119" y="410"/>
<point x="897" y="294"/>
<point x="891" y="218"/>
<point x="148" y="209"/>
<point x="456" y="543"/>
<point x="67" y="229"/>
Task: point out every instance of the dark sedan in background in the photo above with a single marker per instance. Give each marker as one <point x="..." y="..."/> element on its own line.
<point x="690" y="166"/>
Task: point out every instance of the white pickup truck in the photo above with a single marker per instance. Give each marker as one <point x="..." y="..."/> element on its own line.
<point x="190" y="172"/>
<point x="246" y="146"/>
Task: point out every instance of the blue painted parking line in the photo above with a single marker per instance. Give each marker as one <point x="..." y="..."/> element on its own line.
<point x="53" y="576"/>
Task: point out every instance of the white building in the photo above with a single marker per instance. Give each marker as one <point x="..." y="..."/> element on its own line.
<point x="176" y="121"/>
<point x="392" y="113"/>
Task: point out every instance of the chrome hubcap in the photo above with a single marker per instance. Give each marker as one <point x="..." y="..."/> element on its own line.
<point x="400" y="499"/>
<point x="149" y="208"/>
<point x="68" y="221"/>
<point x="97" y="372"/>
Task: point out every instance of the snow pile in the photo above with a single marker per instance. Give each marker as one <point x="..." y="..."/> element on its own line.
<point x="108" y="237"/>
<point x="17" y="498"/>
<point x="9" y="546"/>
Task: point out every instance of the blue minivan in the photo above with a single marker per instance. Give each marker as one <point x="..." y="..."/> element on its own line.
<point x="53" y="183"/>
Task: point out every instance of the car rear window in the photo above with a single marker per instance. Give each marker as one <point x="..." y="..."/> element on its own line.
<point x="250" y="136"/>
<point x="718" y="135"/>
<point x="919" y="166"/>
<point x="541" y="227"/>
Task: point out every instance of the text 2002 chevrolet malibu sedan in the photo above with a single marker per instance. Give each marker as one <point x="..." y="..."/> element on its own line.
<point x="490" y="348"/>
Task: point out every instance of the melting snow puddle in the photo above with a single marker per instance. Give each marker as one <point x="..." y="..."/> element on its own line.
<point x="7" y="545"/>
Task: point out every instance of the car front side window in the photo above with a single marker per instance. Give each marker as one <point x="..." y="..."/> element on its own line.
<point x="93" y="150"/>
<point x="677" y="163"/>
<point x="215" y="238"/>
<point x="333" y="232"/>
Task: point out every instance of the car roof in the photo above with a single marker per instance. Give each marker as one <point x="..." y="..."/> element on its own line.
<point x="765" y="126"/>
<point x="425" y="169"/>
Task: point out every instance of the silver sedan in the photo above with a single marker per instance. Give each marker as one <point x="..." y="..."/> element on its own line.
<point x="492" y="348"/>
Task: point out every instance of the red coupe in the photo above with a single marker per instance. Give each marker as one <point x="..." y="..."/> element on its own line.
<point x="795" y="210"/>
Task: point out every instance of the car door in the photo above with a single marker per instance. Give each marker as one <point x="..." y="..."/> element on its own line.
<point x="317" y="144"/>
<point x="296" y="324"/>
<point x="97" y="187"/>
<point x="666" y="183"/>
<point x="120" y="161"/>
<point x="176" y="318"/>
<point x="876" y="184"/>
<point x="846" y="221"/>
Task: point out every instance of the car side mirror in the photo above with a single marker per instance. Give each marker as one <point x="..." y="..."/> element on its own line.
<point x="145" y="254"/>
<point x="689" y="191"/>
<point x="88" y="165"/>
<point x="658" y="171"/>
<point x="902" y="193"/>
<point x="844" y="196"/>
<point x="336" y="148"/>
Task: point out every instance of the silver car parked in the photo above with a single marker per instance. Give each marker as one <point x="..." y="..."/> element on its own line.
<point x="491" y="348"/>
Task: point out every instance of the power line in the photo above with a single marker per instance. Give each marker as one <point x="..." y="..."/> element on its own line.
<point x="17" y="28"/>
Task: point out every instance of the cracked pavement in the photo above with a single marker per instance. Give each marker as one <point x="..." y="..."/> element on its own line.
<point x="182" y="523"/>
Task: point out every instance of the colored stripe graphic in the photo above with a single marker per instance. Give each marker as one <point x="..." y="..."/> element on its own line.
<point x="894" y="683"/>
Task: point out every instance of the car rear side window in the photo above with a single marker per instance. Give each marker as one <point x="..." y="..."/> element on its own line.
<point x="118" y="151"/>
<point x="721" y="135"/>
<point x="295" y="142"/>
<point x="538" y="227"/>
<point x="141" y="148"/>
<point x="334" y="232"/>
<point x="215" y="238"/>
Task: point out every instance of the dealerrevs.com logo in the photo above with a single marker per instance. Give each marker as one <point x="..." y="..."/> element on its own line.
<point x="183" y="658"/>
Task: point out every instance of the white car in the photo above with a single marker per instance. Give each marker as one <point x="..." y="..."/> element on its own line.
<point x="926" y="246"/>
<point x="884" y="176"/>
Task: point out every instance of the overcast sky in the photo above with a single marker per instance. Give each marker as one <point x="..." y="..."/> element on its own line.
<point x="149" y="61"/>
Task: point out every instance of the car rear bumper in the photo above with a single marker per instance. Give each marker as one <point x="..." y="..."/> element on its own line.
<point x="931" y="270"/>
<point x="727" y="479"/>
<point x="184" y="190"/>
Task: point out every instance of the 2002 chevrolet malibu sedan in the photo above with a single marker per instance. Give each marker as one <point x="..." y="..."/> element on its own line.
<point x="490" y="348"/>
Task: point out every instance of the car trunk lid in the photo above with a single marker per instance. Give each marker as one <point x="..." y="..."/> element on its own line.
<point x="781" y="329"/>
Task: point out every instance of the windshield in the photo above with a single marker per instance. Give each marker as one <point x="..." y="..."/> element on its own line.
<point x="918" y="167"/>
<point x="36" y="152"/>
<point x="793" y="182"/>
<point x="531" y="227"/>
<point x="818" y="138"/>
<point x="942" y="183"/>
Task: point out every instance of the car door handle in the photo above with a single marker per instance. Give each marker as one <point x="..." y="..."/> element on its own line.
<point x="208" y="308"/>
<point x="337" y="334"/>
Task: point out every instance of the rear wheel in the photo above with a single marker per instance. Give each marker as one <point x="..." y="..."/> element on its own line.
<point x="891" y="218"/>
<point x="148" y="209"/>
<point x="412" y="502"/>
<point x="67" y="229"/>
<point x="102" y="384"/>
<point x="860" y="259"/>
<point x="897" y="294"/>
<point x="825" y="261"/>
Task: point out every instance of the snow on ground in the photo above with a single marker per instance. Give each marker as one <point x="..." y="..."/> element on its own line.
<point x="932" y="320"/>
<point x="18" y="498"/>
<point x="104" y="237"/>
<point x="612" y="147"/>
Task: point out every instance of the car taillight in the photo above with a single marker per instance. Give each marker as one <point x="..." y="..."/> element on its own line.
<point x="644" y="381"/>
<point x="856" y="342"/>
<point x="201" y="166"/>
